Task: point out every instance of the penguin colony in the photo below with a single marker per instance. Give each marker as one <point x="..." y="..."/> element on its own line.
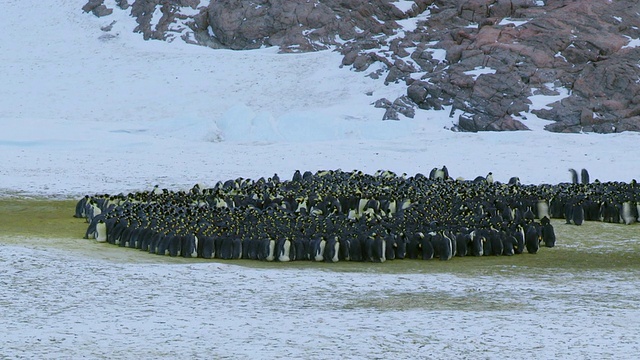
<point x="338" y="216"/>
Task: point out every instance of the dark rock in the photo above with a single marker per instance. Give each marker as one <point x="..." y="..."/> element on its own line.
<point x="405" y="106"/>
<point x="350" y="57"/>
<point x="382" y="103"/>
<point x="101" y="10"/>
<point x="586" y="117"/>
<point x="417" y="92"/>
<point x="394" y="76"/>
<point x="362" y="62"/>
<point x="123" y="4"/>
<point x="92" y="4"/>
<point x="299" y="26"/>
<point x="391" y="114"/>
<point x="481" y="122"/>
<point x="576" y="45"/>
<point x="402" y="105"/>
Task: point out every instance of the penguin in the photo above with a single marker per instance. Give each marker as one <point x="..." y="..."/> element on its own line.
<point x="283" y="248"/>
<point x="91" y="229"/>
<point x="497" y="246"/>
<point x="207" y="250"/>
<point x="317" y="248"/>
<point x="162" y="245"/>
<point x="426" y="246"/>
<point x="542" y="209"/>
<point x="225" y="252"/>
<point x="439" y="174"/>
<point x="519" y="236"/>
<point x="414" y="245"/>
<point x="249" y="248"/>
<point x="379" y="248"/>
<point x="432" y="174"/>
<point x="368" y="251"/>
<point x="628" y="213"/>
<point x="508" y="245"/>
<point x="476" y="241"/>
<point x="174" y="246"/>
<point x="390" y="247"/>
<point x="584" y="177"/>
<point x="345" y="249"/>
<point x="297" y="176"/>
<point x="489" y="178"/>
<point x="356" y="250"/>
<point x="577" y="213"/>
<point x="81" y="206"/>
<point x="574" y="176"/>
<point x="532" y="239"/>
<point x="401" y="247"/>
<point x="548" y="234"/>
<point x="236" y="248"/>
<point x="332" y="249"/>
<point x="568" y="212"/>
<point x="101" y="231"/>
<point x="301" y="247"/>
<point x="441" y="246"/>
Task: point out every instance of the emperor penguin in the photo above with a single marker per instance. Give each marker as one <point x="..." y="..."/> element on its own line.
<point x="574" y="176"/>
<point x="101" y="231"/>
<point x="489" y="178"/>
<point x="584" y="177"/>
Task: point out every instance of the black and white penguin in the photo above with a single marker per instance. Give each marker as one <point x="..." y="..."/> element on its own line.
<point x="532" y="239"/>
<point x="476" y="239"/>
<point x="427" y="251"/>
<point x="514" y="181"/>
<point x="81" y="206"/>
<point x="548" y="234"/>
<point x="577" y="213"/>
<point x="574" y="176"/>
<point x="489" y="178"/>
<point x="332" y="249"/>
<point x="584" y="177"/>
<point x="629" y="213"/>
<point x="101" y="231"/>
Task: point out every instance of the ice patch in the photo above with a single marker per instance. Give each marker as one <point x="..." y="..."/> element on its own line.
<point x="516" y="22"/>
<point x="540" y="101"/>
<point x="244" y="125"/>
<point x="633" y="43"/>
<point x="479" y="70"/>
<point x="404" y="5"/>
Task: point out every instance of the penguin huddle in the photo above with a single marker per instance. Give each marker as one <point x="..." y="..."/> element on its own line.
<point x="335" y="215"/>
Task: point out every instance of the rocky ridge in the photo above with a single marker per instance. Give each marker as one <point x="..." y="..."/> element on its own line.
<point x="479" y="59"/>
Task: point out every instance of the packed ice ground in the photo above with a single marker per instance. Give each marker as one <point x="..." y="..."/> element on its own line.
<point x="84" y="111"/>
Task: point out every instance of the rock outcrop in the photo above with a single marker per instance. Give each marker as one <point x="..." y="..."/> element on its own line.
<point x="481" y="60"/>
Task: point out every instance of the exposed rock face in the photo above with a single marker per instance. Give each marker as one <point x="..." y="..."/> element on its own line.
<point x="97" y="8"/>
<point x="302" y="25"/>
<point x="481" y="58"/>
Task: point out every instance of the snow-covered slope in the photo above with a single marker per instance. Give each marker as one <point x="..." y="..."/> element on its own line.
<point x="81" y="112"/>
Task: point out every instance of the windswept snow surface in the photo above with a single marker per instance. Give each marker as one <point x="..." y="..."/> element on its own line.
<point x="89" y="111"/>
<point x="58" y="306"/>
<point x="83" y="112"/>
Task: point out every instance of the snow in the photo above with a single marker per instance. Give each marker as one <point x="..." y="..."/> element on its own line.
<point x="94" y="306"/>
<point x="404" y="5"/>
<point x="86" y="113"/>
<point x="540" y="101"/>
<point x="479" y="70"/>
<point x="515" y="22"/>
<point x="632" y="42"/>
